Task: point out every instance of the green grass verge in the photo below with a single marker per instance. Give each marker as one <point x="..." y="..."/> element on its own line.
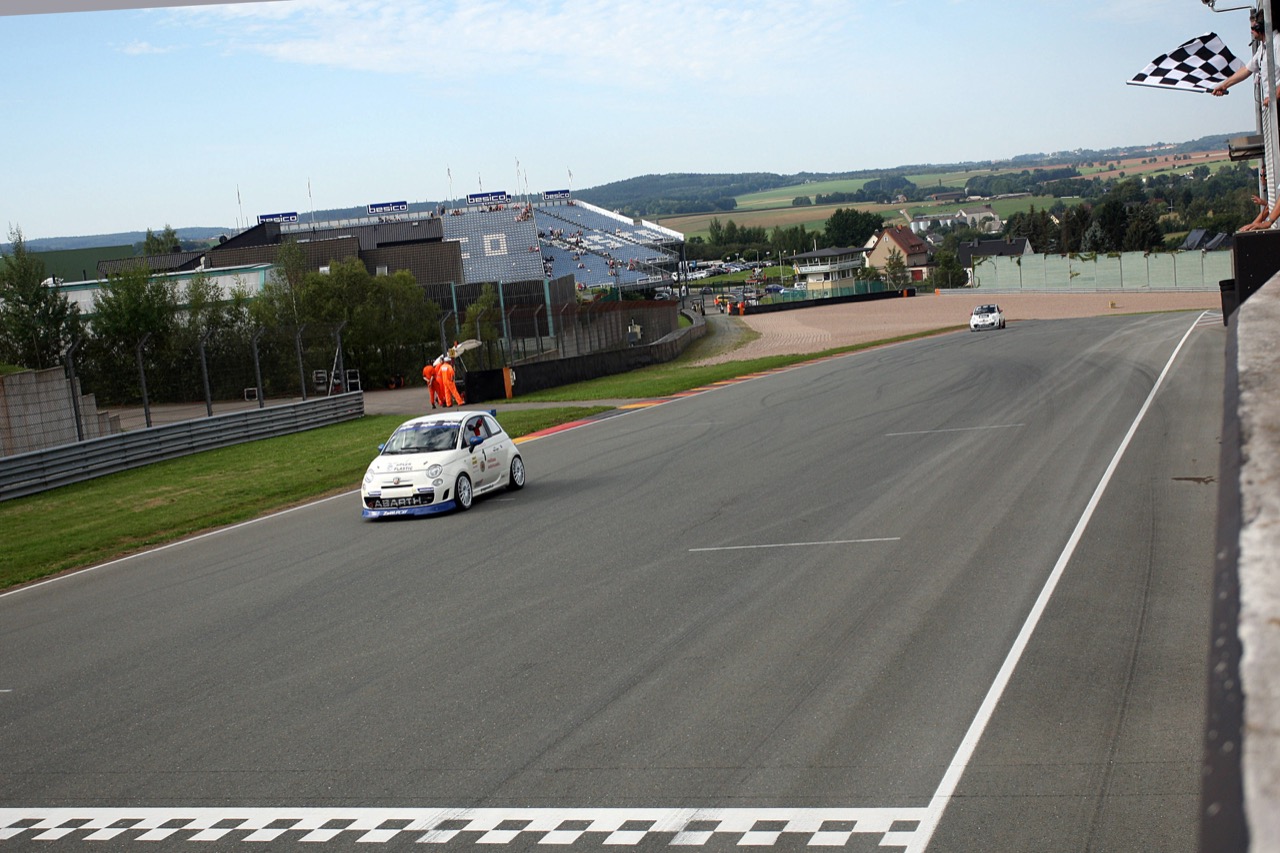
<point x="87" y="523"/>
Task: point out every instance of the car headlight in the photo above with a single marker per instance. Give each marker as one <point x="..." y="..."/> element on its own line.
<point x="434" y="470"/>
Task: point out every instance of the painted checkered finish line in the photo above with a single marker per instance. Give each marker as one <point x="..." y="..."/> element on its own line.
<point x="756" y="827"/>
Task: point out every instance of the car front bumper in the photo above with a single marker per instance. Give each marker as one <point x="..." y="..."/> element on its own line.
<point x="383" y="506"/>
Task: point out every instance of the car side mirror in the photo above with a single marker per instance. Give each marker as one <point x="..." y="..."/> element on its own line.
<point x="474" y="441"/>
<point x="381" y="447"/>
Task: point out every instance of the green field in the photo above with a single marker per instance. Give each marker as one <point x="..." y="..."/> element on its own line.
<point x="814" y="218"/>
<point x="772" y="208"/>
<point x="782" y="196"/>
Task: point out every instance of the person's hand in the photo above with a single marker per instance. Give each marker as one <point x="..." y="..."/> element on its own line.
<point x="1220" y="90"/>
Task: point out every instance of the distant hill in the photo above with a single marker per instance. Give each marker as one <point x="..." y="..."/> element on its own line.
<point x="677" y="193"/>
<point x="670" y="194"/>
<point x="122" y="238"/>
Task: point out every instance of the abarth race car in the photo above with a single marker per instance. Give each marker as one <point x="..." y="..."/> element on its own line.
<point x="440" y="462"/>
<point x="986" y="317"/>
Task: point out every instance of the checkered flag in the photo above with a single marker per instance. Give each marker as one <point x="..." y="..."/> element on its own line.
<point x="1194" y="66"/>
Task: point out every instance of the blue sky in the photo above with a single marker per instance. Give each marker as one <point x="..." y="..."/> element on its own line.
<point x="127" y="119"/>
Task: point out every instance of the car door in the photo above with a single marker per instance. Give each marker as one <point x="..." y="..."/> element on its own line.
<point x="500" y="446"/>
<point x="485" y="464"/>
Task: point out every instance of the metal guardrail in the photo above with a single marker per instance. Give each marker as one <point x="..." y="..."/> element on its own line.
<point x="30" y="473"/>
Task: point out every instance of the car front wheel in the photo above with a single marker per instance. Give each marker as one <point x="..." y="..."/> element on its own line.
<point x="516" y="480"/>
<point x="462" y="494"/>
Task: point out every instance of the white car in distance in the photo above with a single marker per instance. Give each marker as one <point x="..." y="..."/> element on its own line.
<point x="986" y="317"/>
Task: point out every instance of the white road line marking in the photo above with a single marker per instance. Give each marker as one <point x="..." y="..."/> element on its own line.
<point x="796" y="544"/>
<point x="969" y="744"/>
<point x="955" y="429"/>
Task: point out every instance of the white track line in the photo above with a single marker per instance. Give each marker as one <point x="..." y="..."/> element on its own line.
<point x="796" y="544"/>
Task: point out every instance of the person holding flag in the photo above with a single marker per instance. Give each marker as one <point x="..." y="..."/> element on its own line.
<point x="1256" y="65"/>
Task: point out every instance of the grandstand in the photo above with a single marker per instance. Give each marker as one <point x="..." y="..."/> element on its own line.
<point x="504" y="240"/>
<point x="554" y="239"/>
<point x="499" y="243"/>
<point x="601" y="249"/>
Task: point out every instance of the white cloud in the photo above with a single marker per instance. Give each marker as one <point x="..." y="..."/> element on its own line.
<point x="142" y="48"/>
<point x="639" y="42"/>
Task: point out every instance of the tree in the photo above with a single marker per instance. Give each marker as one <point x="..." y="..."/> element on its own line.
<point x="386" y="320"/>
<point x="1094" y="239"/>
<point x="895" y="271"/>
<point x="131" y="310"/>
<point x="37" y="322"/>
<point x="1112" y="218"/>
<point x="277" y="304"/>
<point x="851" y="227"/>
<point x="1072" y="224"/>
<point x="948" y="272"/>
<point x="161" y="244"/>
<point x="1143" y="232"/>
<point x="715" y="232"/>
<point x="1037" y="226"/>
<point x="482" y="322"/>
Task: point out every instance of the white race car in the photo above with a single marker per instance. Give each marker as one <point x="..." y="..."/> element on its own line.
<point x="986" y="317"/>
<point x="440" y="462"/>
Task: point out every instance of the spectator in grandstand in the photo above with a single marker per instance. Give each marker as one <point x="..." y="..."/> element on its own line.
<point x="1258" y="64"/>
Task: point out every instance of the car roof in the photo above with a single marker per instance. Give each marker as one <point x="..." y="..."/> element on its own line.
<point x="452" y="416"/>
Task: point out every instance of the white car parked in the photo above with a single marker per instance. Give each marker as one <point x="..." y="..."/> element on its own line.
<point x="986" y="317"/>
<point x="440" y="462"/>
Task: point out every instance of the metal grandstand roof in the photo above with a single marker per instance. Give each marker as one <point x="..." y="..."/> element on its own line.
<point x="374" y="235"/>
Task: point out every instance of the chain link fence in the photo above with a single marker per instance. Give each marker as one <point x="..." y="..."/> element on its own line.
<point x="120" y="385"/>
<point x="524" y="333"/>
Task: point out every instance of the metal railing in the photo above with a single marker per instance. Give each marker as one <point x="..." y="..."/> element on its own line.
<point x="41" y="470"/>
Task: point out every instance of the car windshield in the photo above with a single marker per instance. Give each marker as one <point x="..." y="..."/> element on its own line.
<point x="423" y="438"/>
<point x="985" y="309"/>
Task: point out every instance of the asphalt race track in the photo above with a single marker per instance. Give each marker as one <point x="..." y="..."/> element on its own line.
<point x="948" y="595"/>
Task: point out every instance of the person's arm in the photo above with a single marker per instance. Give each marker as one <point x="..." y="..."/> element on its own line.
<point x="1240" y="74"/>
<point x="1264" y="220"/>
<point x="1272" y="217"/>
